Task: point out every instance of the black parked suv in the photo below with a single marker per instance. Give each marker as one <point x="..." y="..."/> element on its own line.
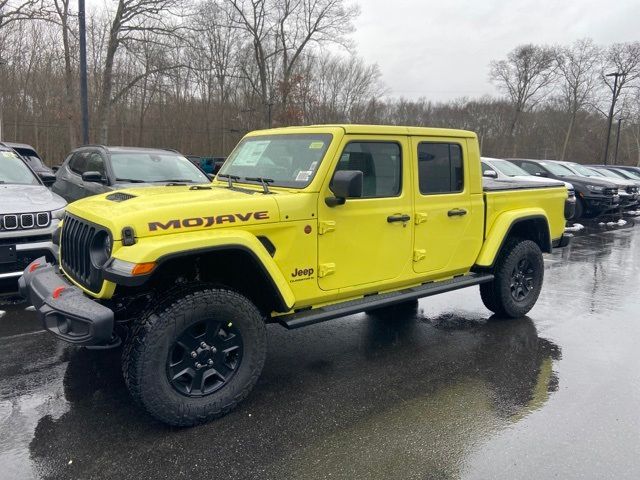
<point x="94" y="169"/>
<point x="594" y="195"/>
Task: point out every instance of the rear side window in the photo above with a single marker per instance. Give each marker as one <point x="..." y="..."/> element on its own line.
<point x="380" y="164"/>
<point x="440" y="168"/>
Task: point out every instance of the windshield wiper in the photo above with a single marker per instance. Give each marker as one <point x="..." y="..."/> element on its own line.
<point x="230" y="178"/>
<point x="264" y="181"/>
<point x="130" y="180"/>
<point x="171" y="180"/>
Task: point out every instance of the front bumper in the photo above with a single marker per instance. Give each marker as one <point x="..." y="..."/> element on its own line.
<point x="63" y="308"/>
<point x="569" y="208"/>
<point x="27" y="253"/>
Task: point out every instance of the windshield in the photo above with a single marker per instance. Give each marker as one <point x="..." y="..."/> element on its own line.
<point x="13" y="170"/>
<point x="557" y="169"/>
<point x="608" y="173"/>
<point x="35" y="162"/>
<point x="508" y="168"/>
<point x="290" y="160"/>
<point x="584" y="171"/>
<point x="629" y="174"/>
<point x="155" y="167"/>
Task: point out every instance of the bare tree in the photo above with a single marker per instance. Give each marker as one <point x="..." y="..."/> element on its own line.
<point x="16" y="10"/>
<point x="130" y="19"/>
<point x="577" y="67"/>
<point x="525" y="77"/>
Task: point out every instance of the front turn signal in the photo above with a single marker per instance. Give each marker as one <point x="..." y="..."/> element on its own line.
<point x="143" y="268"/>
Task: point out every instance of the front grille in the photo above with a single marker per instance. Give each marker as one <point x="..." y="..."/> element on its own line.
<point x="611" y="191"/>
<point x="632" y="190"/>
<point x="77" y="235"/>
<point x="25" y="221"/>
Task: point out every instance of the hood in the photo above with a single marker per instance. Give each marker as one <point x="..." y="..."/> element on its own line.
<point x="28" y="199"/>
<point x="600" y="182"/>
<point x="164" y="210"/>
<point x="534" y="179"/>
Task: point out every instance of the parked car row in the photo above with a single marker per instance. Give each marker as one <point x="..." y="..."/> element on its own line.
<point x="596" y="189"/>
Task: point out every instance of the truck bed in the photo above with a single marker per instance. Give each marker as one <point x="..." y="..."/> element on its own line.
<point x="491" y="185"/>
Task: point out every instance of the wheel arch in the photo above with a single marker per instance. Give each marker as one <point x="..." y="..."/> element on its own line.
<point x="530" y="226"/>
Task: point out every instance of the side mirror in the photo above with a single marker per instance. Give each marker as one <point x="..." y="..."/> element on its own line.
<point x="95" y="177"/>
<point x="490" y="174"/>
<point x="47" y="178"/>
<point x="345" y="184"/>
<point x="55" y="168"/>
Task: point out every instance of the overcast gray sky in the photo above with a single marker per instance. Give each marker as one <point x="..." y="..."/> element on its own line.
<point x="441" y="49"/>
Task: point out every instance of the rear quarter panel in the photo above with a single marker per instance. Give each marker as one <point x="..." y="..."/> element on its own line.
<point x="503" y="208"/>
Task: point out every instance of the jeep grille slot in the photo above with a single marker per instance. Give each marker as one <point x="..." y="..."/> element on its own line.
<point x="77" y="235"/>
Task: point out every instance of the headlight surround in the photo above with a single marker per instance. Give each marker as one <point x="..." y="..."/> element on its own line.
<point x="58" y="214"/>
<point x="100" y="249"/>
<point x="595" y="188"/>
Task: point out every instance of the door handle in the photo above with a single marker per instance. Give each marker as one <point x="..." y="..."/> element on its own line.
<point x="457" y="212"/>
<point x="398" y="218"/>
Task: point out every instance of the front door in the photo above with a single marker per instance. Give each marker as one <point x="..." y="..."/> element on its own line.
<point x="449" y="216"/>
<point x="368" y="239"/>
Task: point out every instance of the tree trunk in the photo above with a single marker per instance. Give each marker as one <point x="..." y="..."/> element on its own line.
<point x="567" y="137"/>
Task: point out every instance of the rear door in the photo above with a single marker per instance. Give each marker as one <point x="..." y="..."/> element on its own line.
<point x="448" y="218"/>
<point x="367" y="240"/>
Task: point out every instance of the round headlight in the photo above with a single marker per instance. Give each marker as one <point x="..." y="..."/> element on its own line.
<point x="100" y="249"/>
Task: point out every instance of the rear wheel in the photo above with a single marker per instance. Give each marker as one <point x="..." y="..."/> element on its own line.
<point x="518" y="275"/>
<point x="195" y="358"/>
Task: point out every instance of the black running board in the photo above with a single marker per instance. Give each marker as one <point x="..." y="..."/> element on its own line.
<point x="309" y="317"/>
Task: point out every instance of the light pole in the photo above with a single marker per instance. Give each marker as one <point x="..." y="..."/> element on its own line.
<point x="615" y="155"/>
<point x="2" y="62"/>
<point x="610" y="119"/>
<point x="84" y="102"/>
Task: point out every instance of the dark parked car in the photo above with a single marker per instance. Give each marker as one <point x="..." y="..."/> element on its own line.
<point x="94" y="169"/>
<point x="627" y="190"/>
<point x="29" y="154"/>
<point x="209" y="165"/>
<point x="594" y="195"/>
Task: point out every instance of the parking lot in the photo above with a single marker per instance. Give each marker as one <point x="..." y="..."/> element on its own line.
<point x="444" y="392"/>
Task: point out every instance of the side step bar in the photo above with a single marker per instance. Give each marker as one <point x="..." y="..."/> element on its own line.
<point x="322" y="314"/>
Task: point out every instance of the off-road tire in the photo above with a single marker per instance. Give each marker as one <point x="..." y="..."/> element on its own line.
<point x="497" y="295"/>
<point x="144" y="359"/>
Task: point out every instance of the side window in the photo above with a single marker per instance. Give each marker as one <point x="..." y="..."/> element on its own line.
<point x="380" y="164"/>
<point x="78" y="163"/>
<point x="440" y="168"/>
<point x="95" y="163"/>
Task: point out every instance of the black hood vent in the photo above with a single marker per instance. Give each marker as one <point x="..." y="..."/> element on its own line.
<point x="119" y="197"/>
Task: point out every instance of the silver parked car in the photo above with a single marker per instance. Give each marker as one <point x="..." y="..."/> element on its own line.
<point x="29" y="214"/>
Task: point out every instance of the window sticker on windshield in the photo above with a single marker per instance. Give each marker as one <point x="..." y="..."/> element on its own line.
<point x="316" y="145"/>
<point x="251" y="153"/>
<point x="313" y="165"/>
<point x="303" y="176"/>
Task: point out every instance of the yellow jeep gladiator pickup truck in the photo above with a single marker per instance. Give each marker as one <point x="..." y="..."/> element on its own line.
<point x="301" y="225"/>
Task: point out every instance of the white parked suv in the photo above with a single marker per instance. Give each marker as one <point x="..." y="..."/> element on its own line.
<point x="29" y="215"/>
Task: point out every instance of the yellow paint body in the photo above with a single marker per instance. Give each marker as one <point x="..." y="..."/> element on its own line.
<point x="351" y="248"/>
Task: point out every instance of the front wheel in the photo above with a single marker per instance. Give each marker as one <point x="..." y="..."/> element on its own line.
<point x="518" y="275"/>
<point x="194" y="359"/>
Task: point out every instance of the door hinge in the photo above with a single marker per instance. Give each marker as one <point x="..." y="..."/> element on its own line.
<point x="326" y="226"/>
<point x="420" y="218"/>
<point x="419" y="254"/>
<point x="326" y="269"/>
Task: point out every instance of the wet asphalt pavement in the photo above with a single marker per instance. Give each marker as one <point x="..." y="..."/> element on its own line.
<point x="442" y="392"/>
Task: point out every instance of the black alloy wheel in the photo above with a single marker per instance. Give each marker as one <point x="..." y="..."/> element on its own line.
<point x="522" y="280"/>
<point x="204" y="358"/>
